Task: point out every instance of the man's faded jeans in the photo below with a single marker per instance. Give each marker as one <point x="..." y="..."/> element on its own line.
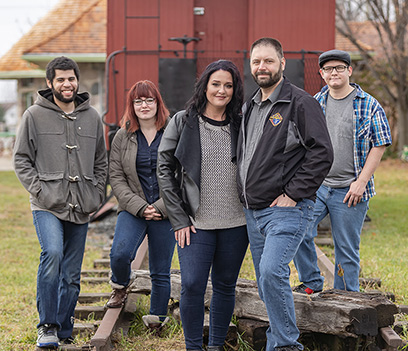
<point x="274" y="235"/>
<point x="346" y="225"/>
<point x="59" y="272"/>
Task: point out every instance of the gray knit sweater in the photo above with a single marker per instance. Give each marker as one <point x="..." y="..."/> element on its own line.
<point x="219" y="203"/>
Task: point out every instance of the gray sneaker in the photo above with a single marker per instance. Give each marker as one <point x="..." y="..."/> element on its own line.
<point x="47" y="336"/>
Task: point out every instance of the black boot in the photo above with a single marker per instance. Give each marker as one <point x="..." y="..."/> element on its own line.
<point x="215" y="348"/>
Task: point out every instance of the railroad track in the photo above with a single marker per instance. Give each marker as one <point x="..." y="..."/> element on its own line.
<point x="106" y="321"/>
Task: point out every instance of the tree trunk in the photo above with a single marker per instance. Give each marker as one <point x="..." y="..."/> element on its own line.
<point x="402" y="112"/>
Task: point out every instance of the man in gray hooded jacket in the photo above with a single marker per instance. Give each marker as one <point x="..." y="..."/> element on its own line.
<point x="60" y="158"/>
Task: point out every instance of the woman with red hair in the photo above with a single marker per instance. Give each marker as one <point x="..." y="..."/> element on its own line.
<point x="141" y="211"/>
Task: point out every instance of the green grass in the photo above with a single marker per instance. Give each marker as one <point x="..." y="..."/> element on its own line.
<point x="384" y="243"/>
<point x="384" y="254"/>
<point x="18" y="265"/>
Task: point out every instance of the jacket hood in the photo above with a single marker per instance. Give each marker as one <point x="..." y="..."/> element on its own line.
<point x="45" y="99"/>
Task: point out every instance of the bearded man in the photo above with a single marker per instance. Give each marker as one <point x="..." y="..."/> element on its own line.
<point x="284" y="153"/>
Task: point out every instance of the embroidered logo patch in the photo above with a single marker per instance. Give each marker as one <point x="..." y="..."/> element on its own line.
<point x="276" y="119"/>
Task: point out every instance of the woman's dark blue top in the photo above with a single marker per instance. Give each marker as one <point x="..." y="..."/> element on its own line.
<point x="146" y="163"/>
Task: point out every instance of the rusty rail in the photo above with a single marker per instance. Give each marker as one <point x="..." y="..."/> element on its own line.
<point x="101" y="341"/>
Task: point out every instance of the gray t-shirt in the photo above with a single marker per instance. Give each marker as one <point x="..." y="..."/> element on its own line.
<point x="255" y="127"/>
<point x="339" y="117"/>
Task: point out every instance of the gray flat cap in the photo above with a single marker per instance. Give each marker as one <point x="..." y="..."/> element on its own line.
<point x="337" y="55"/>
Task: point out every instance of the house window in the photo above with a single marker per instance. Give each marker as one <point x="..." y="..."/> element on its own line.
<point x="95" y="89"/>
<point x="27" y="82"/>
<point x="27" y="100"/>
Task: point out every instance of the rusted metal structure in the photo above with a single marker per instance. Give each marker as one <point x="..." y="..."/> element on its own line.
<point x="171" y="41"/>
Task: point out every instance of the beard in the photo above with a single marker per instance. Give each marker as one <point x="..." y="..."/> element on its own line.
<point x="273" y="78"/>
<point x="61" y="98"/>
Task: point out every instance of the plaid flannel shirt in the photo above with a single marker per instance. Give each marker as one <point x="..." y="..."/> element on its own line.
<point x="370" y="126"/>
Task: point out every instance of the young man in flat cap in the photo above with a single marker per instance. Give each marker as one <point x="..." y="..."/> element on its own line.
<point x="360" y="133"/>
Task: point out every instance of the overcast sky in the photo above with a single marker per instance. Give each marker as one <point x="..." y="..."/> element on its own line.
<point x="16" y="19"/>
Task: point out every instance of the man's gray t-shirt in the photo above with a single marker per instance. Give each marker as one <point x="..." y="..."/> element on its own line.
<point x="339" y="118"/>
<point x="255" y="127"/>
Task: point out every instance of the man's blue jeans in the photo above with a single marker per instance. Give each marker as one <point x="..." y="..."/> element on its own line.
<point x="346" y="225"/>
<point x="129" y="234"/>
<point x="59" y="272"/>
<point x="274" y="235"/>
<point x="222" y="251"/>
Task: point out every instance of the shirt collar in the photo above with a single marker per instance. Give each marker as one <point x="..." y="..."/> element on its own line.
<point x="272" y="98"/>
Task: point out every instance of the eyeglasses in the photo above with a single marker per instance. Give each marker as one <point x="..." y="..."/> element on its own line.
<point x="148" y="101"/>
<point x="339" y="69"/>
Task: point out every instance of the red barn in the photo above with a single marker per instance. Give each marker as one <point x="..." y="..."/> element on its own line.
<point x="171" y="41"/>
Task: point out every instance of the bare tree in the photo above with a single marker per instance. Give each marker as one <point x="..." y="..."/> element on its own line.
<point x="352" y="10"/>
<point x="389" y="65"/>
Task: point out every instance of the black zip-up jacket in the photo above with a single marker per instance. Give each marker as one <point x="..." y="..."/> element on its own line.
<point x="179" y="167"/>
<point x="294" y="153"/>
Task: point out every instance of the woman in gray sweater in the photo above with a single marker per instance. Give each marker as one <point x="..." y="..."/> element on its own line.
<point x="197" y="177"/>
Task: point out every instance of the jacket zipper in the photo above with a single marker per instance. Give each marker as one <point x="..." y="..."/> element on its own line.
<point x="243" y="150"/>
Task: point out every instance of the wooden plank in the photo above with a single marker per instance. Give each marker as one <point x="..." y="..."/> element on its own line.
<point x="106" y="251"/>
<point x="95" y="273"/>
<point x="92" y="297"/>
<point x="84" y="329"/>
<point x="95" y="280"/>
<point x="335" y="312"/>
<point x="101" y="340"/>
<point x="391" y="337"/>
<point x="102" y="262"/>
<point x="140" y="255"/>
<point x="385" y="309"/>
<point x="325" y="266"/>
<point x="86" y="312"/>
<point x="324" y="241"/>
<point x="403" y="309"/>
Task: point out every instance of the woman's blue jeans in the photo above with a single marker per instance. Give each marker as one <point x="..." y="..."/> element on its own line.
<point x="222" y="251"/>
<point x="275" y="234"/>
<point x="129" y="234"/>
<point x="59" y="272"/>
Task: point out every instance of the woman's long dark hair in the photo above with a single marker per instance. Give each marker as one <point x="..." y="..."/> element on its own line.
<point x="198" y="102"/>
